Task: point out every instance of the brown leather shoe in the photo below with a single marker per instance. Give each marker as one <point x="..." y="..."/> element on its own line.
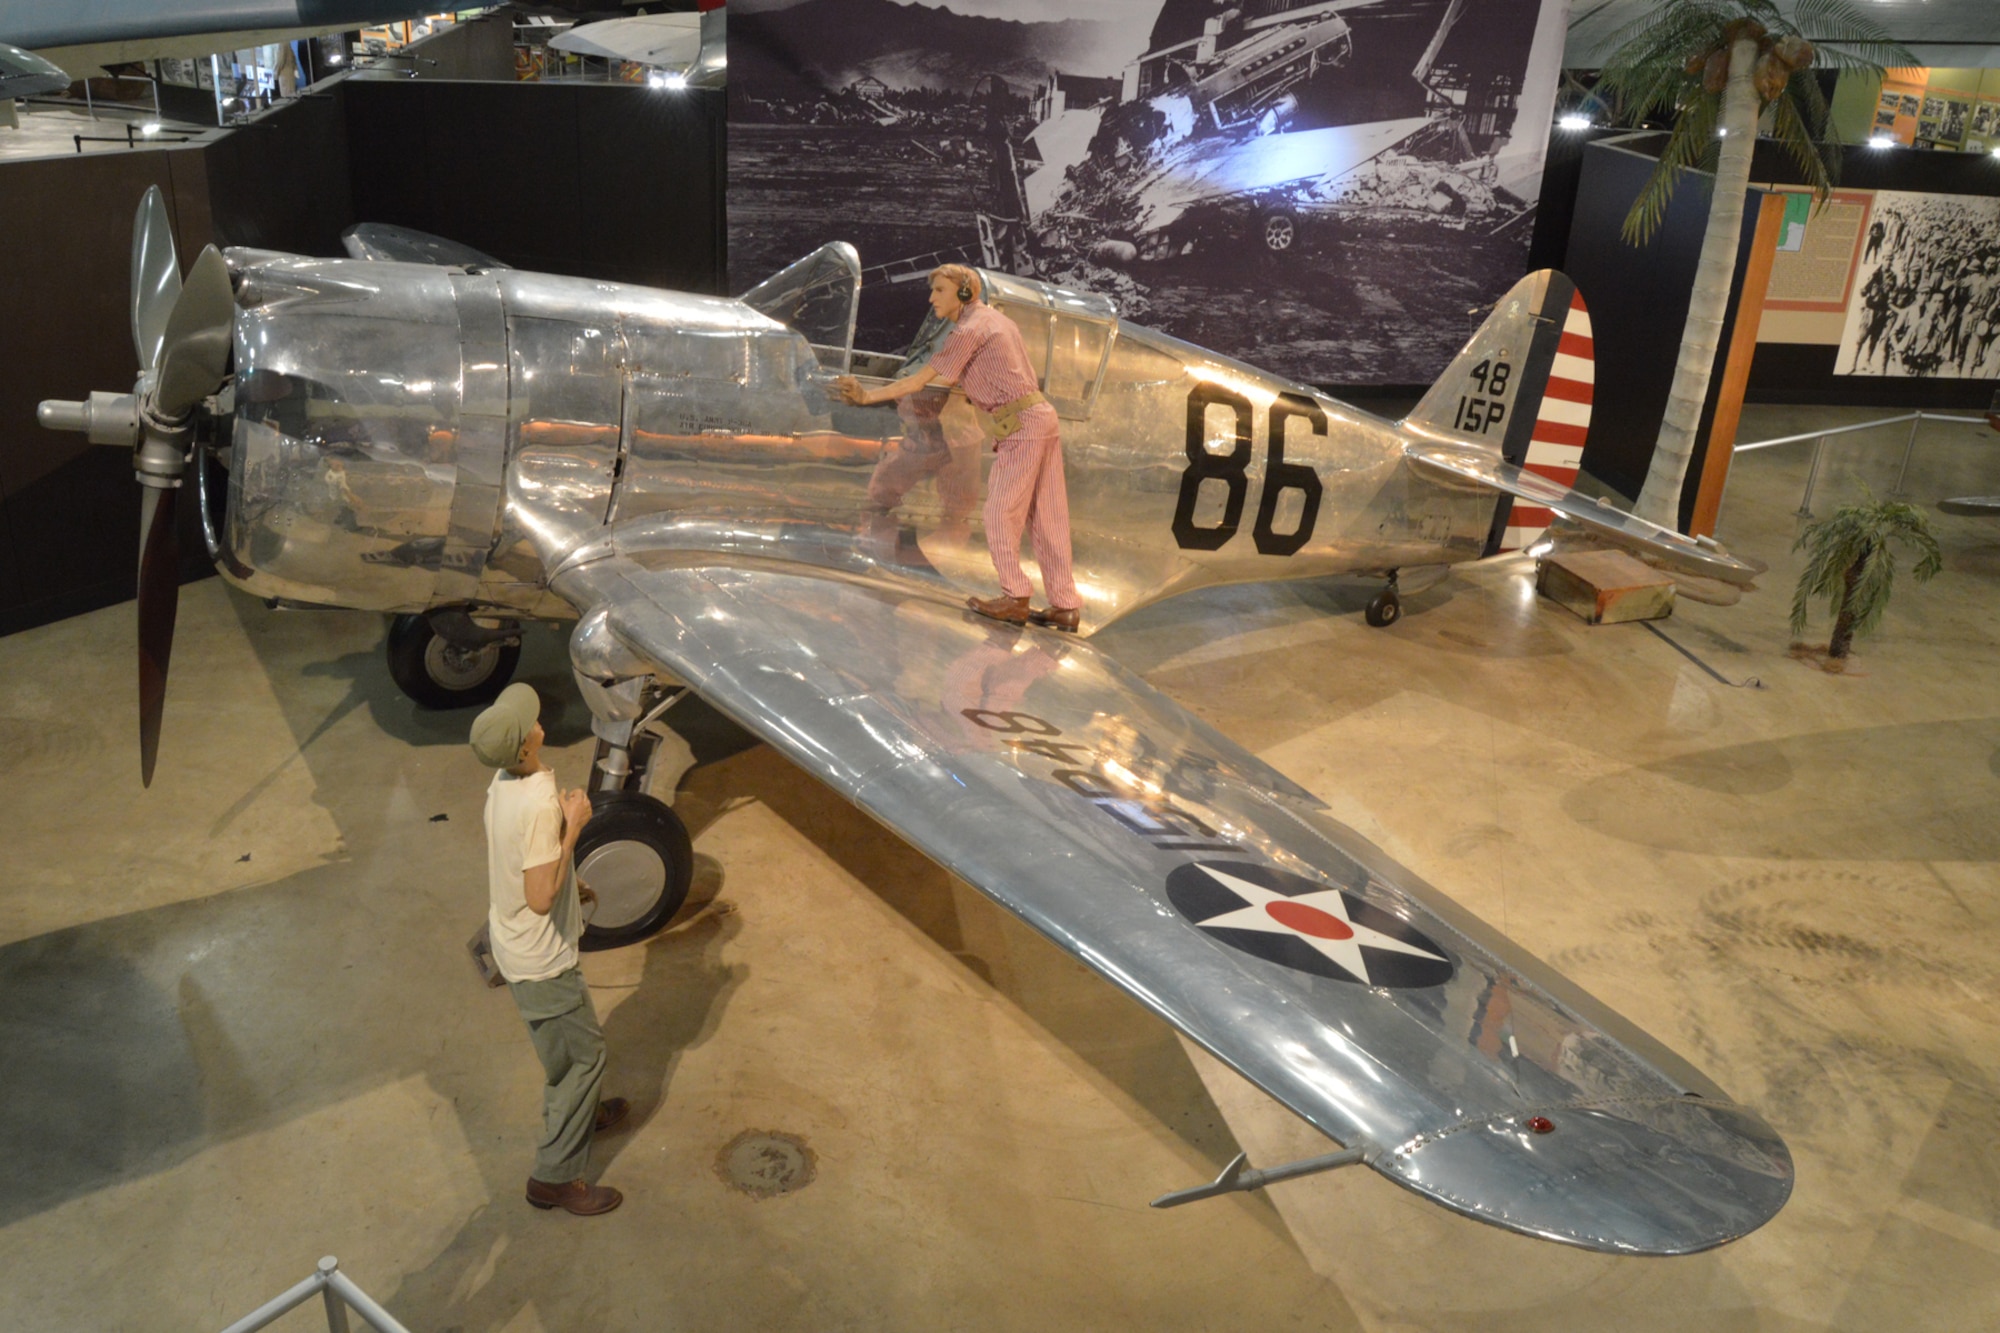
<point x="574" y="1196"/>
<point x="611" y="1113"/>
<point x="1064" y="618"/>
<point x="1008" y="610"/>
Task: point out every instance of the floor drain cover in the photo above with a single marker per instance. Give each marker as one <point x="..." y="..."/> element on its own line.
<point x="764" y="1163"/>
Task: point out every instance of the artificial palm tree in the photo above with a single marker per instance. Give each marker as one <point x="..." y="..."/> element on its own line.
<point x="1851" y="563"/>
<point x="1722" y="68"/>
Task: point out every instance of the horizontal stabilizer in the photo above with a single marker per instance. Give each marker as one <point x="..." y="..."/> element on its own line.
<point x="1698" y="556"/>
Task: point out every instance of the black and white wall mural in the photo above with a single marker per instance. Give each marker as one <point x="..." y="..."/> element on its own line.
<point x="1925" y="295"/>
<point x="1332" y="190"/>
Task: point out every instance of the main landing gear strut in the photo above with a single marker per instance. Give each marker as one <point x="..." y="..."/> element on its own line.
<point x="1387" y="608"/>
<point x="634" y="853"/>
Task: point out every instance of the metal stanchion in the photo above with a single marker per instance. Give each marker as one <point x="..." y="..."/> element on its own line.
<point x="1812" y="478"/>
<point x="336" y="1308"/>
<point x="340" y="1294"/>
<point x="1909" y="448"/>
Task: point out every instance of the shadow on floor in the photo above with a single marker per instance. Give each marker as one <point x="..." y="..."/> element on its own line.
<point x="1921" y="791"/>
<point x="113" y="1073"/>
<point x="680" y="998"/>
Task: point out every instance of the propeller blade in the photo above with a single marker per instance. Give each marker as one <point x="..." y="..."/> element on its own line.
<point x="194" y="352"/>
<point x="156" y="276"/>
<point x="159" y="596"/>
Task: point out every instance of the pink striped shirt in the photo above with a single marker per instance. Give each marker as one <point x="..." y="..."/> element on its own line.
<point x="984" y="356"/>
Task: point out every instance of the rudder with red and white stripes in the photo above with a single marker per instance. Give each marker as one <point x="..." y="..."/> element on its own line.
<point x="1523" y="385"/>
<point x="1555" y="443"/>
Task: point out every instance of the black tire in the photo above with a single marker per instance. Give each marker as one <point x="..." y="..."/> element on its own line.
<point x="1385" y="610"/>
<point x="635" y="855"/>
<point x="436" y="674"/>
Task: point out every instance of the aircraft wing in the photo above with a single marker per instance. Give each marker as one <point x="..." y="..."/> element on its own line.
<point x="1485" y="468"/>
<point x="1214" y="891"/>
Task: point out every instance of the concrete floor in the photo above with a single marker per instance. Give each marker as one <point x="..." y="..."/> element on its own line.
<point x="242" y="1031"/>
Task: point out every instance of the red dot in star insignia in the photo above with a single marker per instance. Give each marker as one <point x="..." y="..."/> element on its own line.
<point x="1309" y="920"/>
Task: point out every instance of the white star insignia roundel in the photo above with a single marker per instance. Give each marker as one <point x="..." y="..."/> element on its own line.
<point x="1305" y="925"/>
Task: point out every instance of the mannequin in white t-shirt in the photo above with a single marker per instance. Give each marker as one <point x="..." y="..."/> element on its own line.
<point x="535" y="919"/>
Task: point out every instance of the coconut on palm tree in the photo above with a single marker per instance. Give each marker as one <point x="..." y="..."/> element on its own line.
<point x="1724" y="69"/>
<point x="1851" y="563"/>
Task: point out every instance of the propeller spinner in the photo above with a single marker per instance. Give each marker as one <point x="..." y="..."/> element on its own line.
<point x="181" y="331"/>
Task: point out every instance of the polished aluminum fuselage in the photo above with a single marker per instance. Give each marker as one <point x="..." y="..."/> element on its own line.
<point x="410" y="437"/>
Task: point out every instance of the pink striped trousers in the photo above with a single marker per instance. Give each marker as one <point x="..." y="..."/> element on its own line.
<point x="1025" y="489"/>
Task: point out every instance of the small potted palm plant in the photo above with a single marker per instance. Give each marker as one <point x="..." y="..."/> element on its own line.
<point x="1851" y="563"/>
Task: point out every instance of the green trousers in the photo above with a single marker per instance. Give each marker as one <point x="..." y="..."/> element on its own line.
<point x="564" y="1029"/>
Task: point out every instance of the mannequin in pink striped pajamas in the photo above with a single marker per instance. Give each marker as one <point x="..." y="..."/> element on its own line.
<point x="984" y="356"/>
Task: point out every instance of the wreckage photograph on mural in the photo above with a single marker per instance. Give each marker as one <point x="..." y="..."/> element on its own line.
<point x="1333" y="191"/>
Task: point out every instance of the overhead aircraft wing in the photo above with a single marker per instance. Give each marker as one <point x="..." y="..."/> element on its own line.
<point x="1485" y="468"/>
<point x="1209" y="887"/>
<point x="670" y="40"/>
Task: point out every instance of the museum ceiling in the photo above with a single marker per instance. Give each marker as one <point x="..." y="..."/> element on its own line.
<point x="1955" y="34"/>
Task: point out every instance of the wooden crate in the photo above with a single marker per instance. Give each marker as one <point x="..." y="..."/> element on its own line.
<point x="1606" y="587"/>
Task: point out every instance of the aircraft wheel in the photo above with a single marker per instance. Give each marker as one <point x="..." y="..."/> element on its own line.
<point x="635" y="856"/>
<point x="1385" y="610"/>
<point x="1280" y="231"/>
<point x="437" y="673"/>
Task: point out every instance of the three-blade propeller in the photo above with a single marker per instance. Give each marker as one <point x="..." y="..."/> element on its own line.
<point x="181" y="331"/>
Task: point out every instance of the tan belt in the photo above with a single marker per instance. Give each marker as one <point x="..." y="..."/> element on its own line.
<point x="1005" y="419"/>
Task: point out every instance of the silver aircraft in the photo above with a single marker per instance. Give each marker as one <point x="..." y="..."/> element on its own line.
<point x="471" y="448"/>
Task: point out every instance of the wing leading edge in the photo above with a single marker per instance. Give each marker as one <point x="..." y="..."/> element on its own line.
<point x="1221" y="896"/>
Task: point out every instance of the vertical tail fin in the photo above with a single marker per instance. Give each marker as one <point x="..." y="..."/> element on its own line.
<point x="1523" y="384"/>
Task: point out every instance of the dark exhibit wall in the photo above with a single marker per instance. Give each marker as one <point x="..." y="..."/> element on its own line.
<point x="1638" y="300"/>
<point x="617" y="182"/>
<point x="611" y="181"/>
<point x="69" y="510"/>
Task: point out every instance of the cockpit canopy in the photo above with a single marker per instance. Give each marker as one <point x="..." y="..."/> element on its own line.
<point x="818" y="296"/>
<point x="1069" y="334"/>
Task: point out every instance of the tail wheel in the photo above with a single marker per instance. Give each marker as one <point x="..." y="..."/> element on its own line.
<point x="1281" y="232"/>
<point x="437" y="673"/>
<point x="634" y="854"/>
<point x="1385" y="610"/>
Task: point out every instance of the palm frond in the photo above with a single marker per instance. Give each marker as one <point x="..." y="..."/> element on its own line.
<point x="1870" y="597"/>
<point x="1863" y="532"/>
<point x="1819" y="163"/>
<point x="1648" y="69"/>
<point x="1803" y="90"/>
<point x="1836" y="21"/>
<point x="1872" y="56"/>
<point x="1669" y="24"/>
<point x="1691" y="143"/>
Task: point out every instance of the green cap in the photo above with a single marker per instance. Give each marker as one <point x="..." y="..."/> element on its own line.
<point x="499" y="733"/>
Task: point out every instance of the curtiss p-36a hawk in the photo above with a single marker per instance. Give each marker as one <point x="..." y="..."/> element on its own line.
<point x="471" y="448"/>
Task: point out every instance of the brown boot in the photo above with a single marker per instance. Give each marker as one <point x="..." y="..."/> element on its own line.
<point x="1009" y="610"/>
<point x="574" y="1196"/>
<point x="611" y="1113"/>
<point x="1064" y="618"/>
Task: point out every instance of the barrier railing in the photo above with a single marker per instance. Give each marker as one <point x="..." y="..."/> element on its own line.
<point x="340" y="1295"/>
<point x="1820" y="437"/>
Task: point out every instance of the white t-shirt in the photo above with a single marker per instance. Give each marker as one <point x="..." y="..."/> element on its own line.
<point x="524" y="829"/>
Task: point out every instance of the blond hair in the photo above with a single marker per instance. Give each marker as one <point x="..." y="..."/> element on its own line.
<point x="958" y="275"/>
